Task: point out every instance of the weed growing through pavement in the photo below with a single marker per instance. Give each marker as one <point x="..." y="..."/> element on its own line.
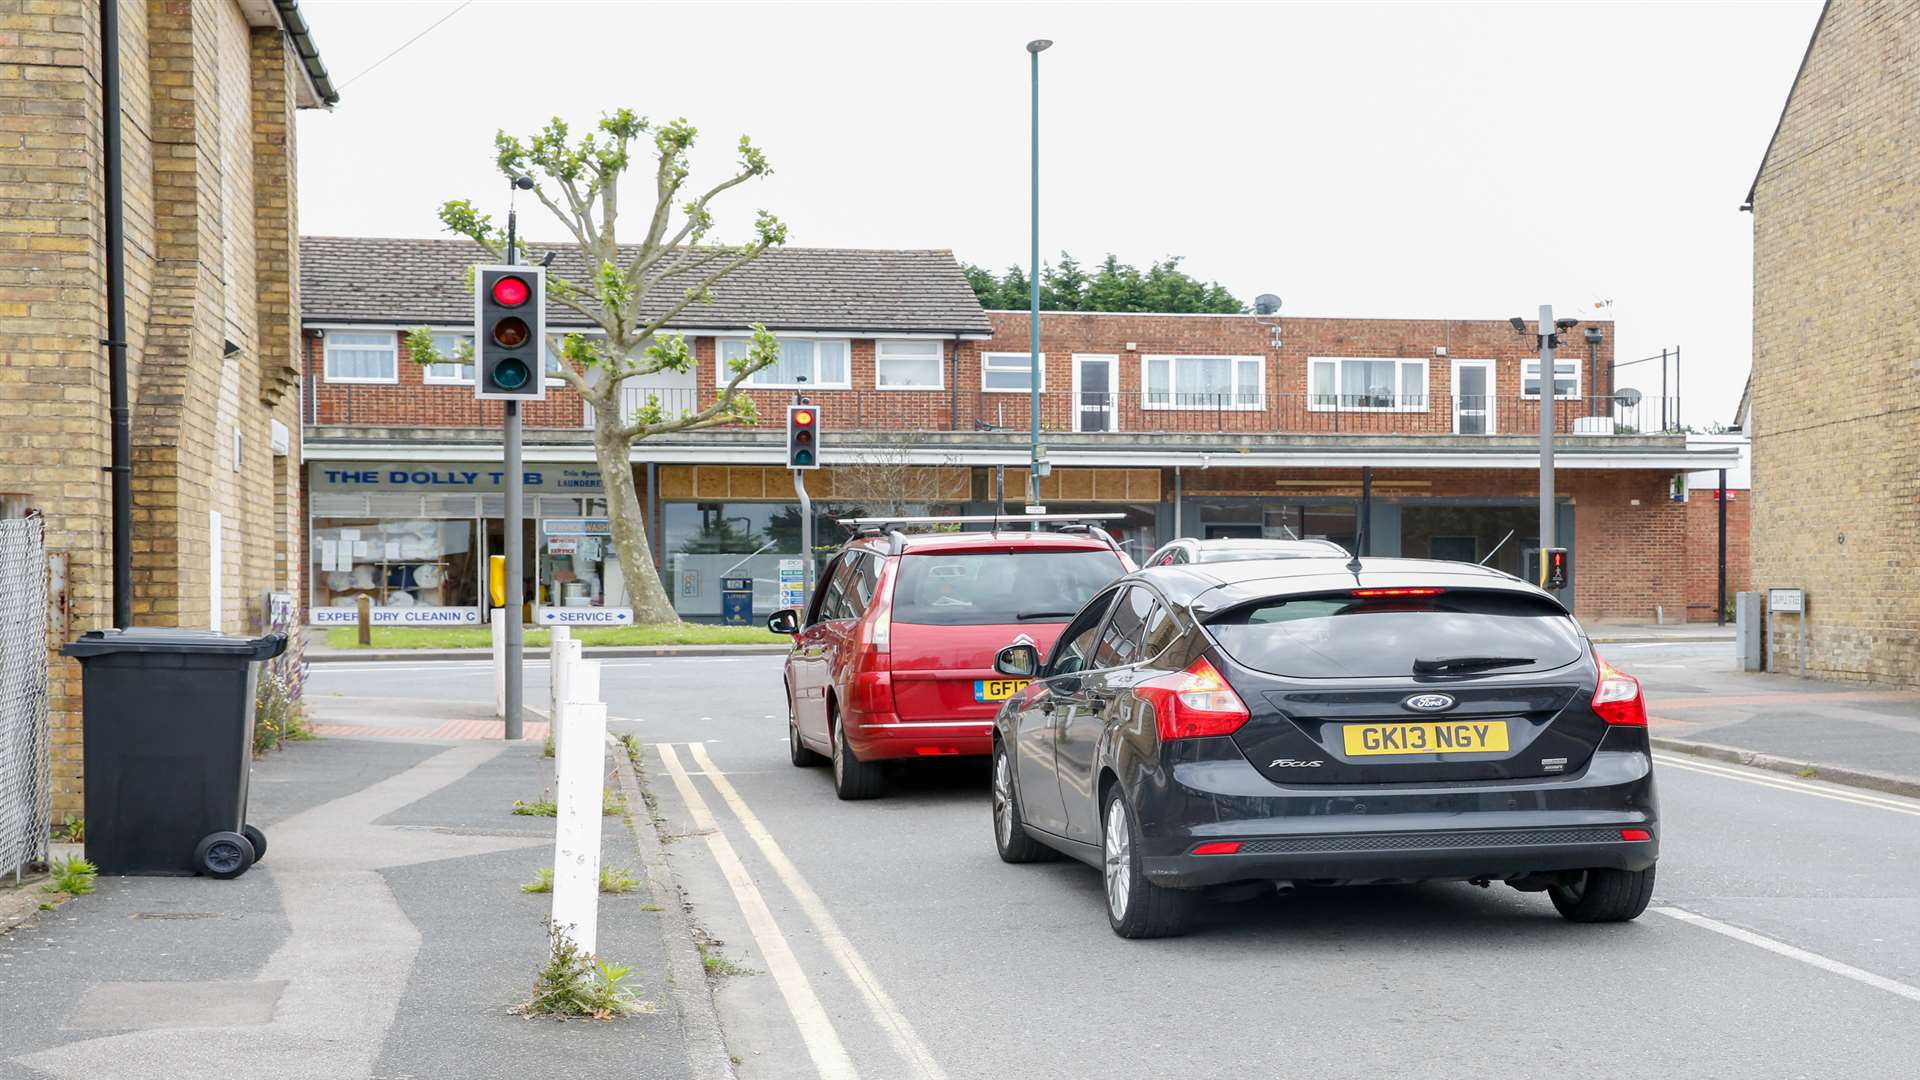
<point x="1807" y="773"/>
<point x="544" y="807"/>
<point x="71" y="830"/>
<point x="633" y="745"/>
<point x="651" y="907"/>
<point x="614" y="880"/>
<point x="718" y="966"/>
<point x="573" y="983"/>
<point x="72" y="875"/>
<point x="547" y="750"/>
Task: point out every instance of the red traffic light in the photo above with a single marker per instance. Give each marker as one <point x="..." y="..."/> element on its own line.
<point x="802" y="418"/>
<point x="510" y="291"/>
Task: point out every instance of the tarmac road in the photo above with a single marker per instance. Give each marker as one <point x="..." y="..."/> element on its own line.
<point x="885" y="939"/>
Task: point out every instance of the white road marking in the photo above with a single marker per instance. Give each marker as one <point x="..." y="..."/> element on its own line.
<point x="899" y="1029"/>
<point x="1781" y="948"/>
<point x="829" y="1056"/>
<point x="1780" y="782"/>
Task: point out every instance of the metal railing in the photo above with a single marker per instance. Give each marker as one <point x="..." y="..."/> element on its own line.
<point x="1333" y="414"/>
<point x="26" y="774"/>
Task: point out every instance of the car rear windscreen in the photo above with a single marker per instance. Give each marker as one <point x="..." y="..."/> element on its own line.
<point x="972" y="588"/>
<point x="1455" y="632"/>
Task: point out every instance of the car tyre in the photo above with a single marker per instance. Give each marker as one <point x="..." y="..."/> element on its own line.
<point x="802" y="756"/>
<point x="1603" y="895"/>
<point x="1010" y="836"/>
<point x="1136" y="907"/>
<point x="853" y="778"/>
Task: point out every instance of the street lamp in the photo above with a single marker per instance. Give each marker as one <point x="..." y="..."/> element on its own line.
<point x="1034" y="49"/>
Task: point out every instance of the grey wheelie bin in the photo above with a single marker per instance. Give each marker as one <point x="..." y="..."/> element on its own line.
<point x="168" y="741"/>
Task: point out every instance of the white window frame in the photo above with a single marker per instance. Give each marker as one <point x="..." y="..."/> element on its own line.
<point x="1492" y="408"/>
<point x="1399" y="391"/>
<point x="1024" y="358"/>
<point x="721" y="375"/>
<point x="393" y="349"/>
<point x="1173" y="382"/>
<point x="880" y="356"/>
<point x="1533" y="365"/>
<point x="426" y="372"/>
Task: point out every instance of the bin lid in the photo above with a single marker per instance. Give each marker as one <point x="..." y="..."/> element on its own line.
<point x="159" y="639"/>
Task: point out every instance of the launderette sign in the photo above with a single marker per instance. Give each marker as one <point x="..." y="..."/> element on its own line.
<point x="382" y="615"/>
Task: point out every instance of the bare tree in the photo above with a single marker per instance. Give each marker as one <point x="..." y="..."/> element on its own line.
<point x="881" y="480"/>
<point x="630" y="296"/>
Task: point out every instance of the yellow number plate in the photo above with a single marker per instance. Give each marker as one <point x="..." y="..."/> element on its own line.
<point x="1437" y="737"/>
<point x="997" y="689"/>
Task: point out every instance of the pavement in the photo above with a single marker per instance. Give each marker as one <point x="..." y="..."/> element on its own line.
<point x="885" y="939"/>
<point x="385" y="934"/>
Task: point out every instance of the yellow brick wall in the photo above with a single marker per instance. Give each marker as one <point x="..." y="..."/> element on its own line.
<point x="211" y="245"/>
<point x="1836" y="366"/>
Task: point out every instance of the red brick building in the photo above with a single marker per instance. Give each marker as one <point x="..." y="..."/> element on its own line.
<point x="1407" y="437"/>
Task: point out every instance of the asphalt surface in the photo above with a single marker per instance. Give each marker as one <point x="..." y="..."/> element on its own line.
<point x="885" y="939"/>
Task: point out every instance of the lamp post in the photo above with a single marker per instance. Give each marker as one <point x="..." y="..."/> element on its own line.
<point x="1034" y="49"/>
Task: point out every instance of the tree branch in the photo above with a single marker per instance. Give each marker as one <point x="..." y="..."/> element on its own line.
<point x="751" y="253"/>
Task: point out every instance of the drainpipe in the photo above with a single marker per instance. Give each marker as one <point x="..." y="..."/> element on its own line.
<point x="120" y="418"/>
<point x="953" y="387"/>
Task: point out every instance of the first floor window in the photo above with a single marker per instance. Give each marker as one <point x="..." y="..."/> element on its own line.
<point x="450" y="345"/>
<point x="1566" y="378"/>
<point x="1365" y="383"/>
<point x="359" y="356"/>
<point x="802" y="362"/>
<point x="1010" y="372"/>
<point x="907" y="365"/>
<point x="1205" y="382"/>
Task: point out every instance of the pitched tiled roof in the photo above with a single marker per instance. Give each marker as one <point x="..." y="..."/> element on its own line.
<point x="385" y="280"/>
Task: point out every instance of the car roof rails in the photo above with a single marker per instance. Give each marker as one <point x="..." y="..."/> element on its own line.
<point x="892" y="527"/>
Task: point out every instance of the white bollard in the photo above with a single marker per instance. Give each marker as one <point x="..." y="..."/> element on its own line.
<point x="557" y="640"/>
<point x="563" y="665"/>
<point x="499" y="625"/>
<point x="580" y="759"/>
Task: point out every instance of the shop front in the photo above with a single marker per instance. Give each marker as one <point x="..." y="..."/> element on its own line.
<point x="414" y="539"/>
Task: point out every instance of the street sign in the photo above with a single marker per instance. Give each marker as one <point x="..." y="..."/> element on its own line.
<point x="1787" y="601"/>
<point x="793" y="583"/>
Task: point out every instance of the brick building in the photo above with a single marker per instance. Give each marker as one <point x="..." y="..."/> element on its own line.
<point x="1835" y="397"/>
<point x="208" y="94"/>
<point x="1423" y="434"/>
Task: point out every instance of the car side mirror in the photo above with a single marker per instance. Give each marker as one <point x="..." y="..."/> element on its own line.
<point x="1019" y="661"/>
<point x="785" y="621"/>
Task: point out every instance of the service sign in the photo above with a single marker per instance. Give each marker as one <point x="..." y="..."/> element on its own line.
<point x="1787" y="601"/>
<point x="583" y="616"/>
<point x="383" y="615"/>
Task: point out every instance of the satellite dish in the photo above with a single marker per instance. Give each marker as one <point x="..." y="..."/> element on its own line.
<point x="1627" y="396"/>
<point x="1266" y="304"/>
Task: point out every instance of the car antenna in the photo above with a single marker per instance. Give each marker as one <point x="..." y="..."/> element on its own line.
<point x="1498" y="546"/>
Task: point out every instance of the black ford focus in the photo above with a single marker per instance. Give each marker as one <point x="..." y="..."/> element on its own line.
<point x="1210" y="728"/>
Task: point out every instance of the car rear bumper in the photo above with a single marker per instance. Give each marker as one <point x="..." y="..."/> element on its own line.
<point x="884" y="736"/>
<point x="1404" y="832"/>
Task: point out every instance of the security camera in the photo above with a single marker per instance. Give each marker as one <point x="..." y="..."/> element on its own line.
<point x="1566" y="324"/>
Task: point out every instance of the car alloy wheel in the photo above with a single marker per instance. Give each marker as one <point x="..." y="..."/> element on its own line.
<point x="1002" y="799"/>
<point x="1119" y="859"/>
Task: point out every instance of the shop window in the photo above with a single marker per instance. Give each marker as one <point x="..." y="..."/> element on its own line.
<point x="405" y="567"/>
<point x="907" y="365"/>
<point x="1362" y="384"/>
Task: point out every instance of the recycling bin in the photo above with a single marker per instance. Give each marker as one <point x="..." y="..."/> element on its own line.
<point x="168" y="740"/>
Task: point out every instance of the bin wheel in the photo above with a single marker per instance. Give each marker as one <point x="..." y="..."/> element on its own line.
<point x="258" y="839"/>
<point x="223" y="855"/>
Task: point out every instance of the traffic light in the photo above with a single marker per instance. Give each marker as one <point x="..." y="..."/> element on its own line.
<point x="509" y="315"/>
<point x="1553" y="569"/>
<point x="803" y="437"/>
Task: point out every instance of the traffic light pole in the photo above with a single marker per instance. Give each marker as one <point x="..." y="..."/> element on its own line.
<point x="1547" y="387"/>
<point x="515" y="556"/>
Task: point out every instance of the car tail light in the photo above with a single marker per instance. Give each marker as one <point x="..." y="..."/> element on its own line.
<point x="873" y="692"/>
<point x="880" y="630"/>
<point x="1617" y="698"/>
<point x="1194" y="703"/>
<point x="1373" y="593"/>
<point x="1218" y="847"/>
<point x="1635" y="834"/>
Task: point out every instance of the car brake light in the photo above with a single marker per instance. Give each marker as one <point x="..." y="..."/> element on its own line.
<point x="1617" y="698"/>
<point x="1635" y="834"/>
<point x="1218" y="847"/>
<point x="1369" y="593"/>
<point x="1194" y="703"/>
<point x="880" y="631"/>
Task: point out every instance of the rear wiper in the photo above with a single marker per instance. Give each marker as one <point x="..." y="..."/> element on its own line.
<point x="1042" y="614"/>
<point x="1444" y="665"/>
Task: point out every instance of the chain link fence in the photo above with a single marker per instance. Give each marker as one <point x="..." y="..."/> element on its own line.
<point x="26" y="775"/>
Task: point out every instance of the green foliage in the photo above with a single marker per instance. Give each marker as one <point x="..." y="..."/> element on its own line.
<point x="72" y="875"/>
<point x="1115" y="286"/>
<point x="717" y="966"/>
<point x="546" y="750"/>
<point x="542" y="807"/>
<point x="541" y="883"/>
<point x="420" y="348"/>
<point x="633" y="746"/>
<point x="573" y="983"/>
<point x="617" y="880"/>
<point x="279" y="716"/>
<point x="71" y="830"/>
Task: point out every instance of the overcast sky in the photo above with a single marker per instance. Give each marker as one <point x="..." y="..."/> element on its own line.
<point x="1414" y="159"/>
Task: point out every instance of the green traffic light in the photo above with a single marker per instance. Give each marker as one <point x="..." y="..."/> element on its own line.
<point x="510" y="374"/>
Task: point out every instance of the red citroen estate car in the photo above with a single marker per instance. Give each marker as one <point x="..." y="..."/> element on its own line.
<point x="893" y="657"/>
